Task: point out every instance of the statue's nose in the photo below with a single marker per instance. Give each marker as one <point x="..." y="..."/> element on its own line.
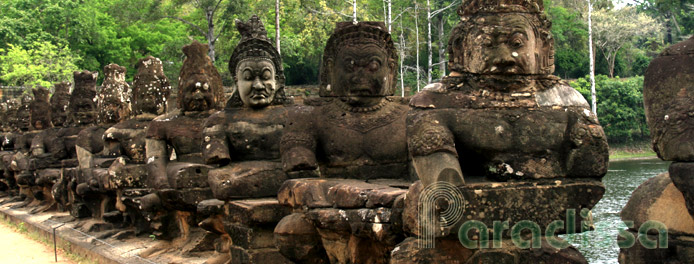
<point x="257" y="84"/>
<point x="503" y="57"/>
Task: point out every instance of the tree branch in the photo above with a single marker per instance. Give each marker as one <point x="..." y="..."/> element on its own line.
<point x="434" y="13"/>
<point x="216" y="6"/>
<point x="220" y="31"/>
<point x="187" y="22"/>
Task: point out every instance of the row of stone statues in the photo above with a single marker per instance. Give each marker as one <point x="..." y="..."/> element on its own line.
<point x="333" y="179"/>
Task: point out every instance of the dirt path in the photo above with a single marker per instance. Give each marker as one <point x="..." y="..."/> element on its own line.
<point x="18" y="248"/>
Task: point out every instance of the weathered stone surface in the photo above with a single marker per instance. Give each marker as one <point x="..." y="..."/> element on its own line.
<point x="297" y="239"/>
<point x="255" y="211"/>
<point x="680" y="249"/>
<point x="511" y="254"/>
<point x="668" y="95"/>
<point x="658" y="199"/>
<point x="123" y="175"/>
<point x="211" y="207"/>
<point x="539" y="201"/>
<point x="682" y="175"/>
<point x="187" y="175"/>
<point x="184" y="199"/>
<point x="445" y="251"/>
<point x="341" y="193"/>
<point x="249" y="179"/>
<point x="250" y="237"/>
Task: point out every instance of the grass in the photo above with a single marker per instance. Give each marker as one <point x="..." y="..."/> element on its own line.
<point x="21" y="228"/>
<point x="631" y="150"/>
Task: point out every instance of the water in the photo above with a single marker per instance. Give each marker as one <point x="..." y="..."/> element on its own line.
<point x="623" y="177"/>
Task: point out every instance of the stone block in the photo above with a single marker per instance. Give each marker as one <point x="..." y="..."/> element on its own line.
<point x="187" y="175"/>
<point x="658" y="199"/>
<point x="250" y="179"/>
<point x="682" y="175"/>
<point x="211" y="207"/>
<point x="184" y="199"/>
<point x="298" y="240"/>
<point x="340" y="193"/>
<point x="540" y="201"/>
<point x="255" y="211"/>
<point x="668" y="96"/>
<point x="250" y="237"/>
<point x="123" y="176"/>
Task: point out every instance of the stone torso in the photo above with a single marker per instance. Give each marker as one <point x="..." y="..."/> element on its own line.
<point x="127" y="138"/>
<point x="253" y="134"/>
<point x="361" y="145"/>
<point x="183" y="132"/>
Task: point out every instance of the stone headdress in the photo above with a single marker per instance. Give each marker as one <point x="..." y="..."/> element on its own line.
<point x="83" y="97"/>
<point x="471" y="10"/>
<point x="40" y="107"/>
<point x="348" y="33"/>
<point x="198" y="63"/>
<point x="114" y="91"/>
<point x="59" y="103"/>
<point x="255" y="44"/>
<point x="150" y="79"/>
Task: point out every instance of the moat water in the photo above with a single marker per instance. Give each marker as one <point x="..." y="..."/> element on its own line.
<point x="623" y="177"/>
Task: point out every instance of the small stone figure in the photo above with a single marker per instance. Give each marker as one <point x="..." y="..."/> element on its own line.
<point x="8" y="140"/>
<point x="354" y="113"/>
<point x="181" y="180"/>
<point x="500" y="113"/>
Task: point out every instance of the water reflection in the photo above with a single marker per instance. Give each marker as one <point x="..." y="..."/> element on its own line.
<point x="623" y="177"/>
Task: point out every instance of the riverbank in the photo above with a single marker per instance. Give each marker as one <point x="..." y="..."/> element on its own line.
<point x="633" y="150"/>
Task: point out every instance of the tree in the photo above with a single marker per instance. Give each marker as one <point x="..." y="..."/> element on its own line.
<point x="613" y="29"/>
<point x="41" y="64"/>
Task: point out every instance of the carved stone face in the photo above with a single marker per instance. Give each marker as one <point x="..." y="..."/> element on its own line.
<point x="361" y="71"/>
<point x="149" y="101"/>
<point x="196" y="94"/>
<point x="503" y="45"/>
<point x="85" y="113"/>
<point x="256" y="82"/>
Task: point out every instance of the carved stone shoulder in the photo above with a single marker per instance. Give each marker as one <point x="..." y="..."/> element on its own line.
<point x="560" y="95"/>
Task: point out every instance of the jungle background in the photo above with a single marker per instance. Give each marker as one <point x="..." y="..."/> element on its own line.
<point x="44" y="41"/>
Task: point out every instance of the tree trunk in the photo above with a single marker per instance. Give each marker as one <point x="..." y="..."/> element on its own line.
<point x="354" y="11"/>
<point x="592" y="59"/>
<point x="416" y="27"/>
<point x="277" y="25"/>
<point x="402" y="59"/>
<point x="442" y="47"/>
<point x="429" y="49"/>
<point x="210" y="34"/>
<point x="390" y="15"/>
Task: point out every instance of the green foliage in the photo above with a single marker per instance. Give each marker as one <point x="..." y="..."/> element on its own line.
<point x="41" y="64"/>
<point x="619" y="106"/>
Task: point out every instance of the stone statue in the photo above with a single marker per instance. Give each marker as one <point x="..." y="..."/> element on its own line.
<point x="244" y="139"/>
<point x="54" y="150"/>
<point x="180" y="181"/>
<point x="93" y="154"/>
<point x="500" y="113"/>
<point x="354" y="130"/>
<point x="20" y="161"/>
<point x="243" y="142"/>
<point x="354" y="113"/>
<point x="8" y="140"/>
<point x="126" y="140"/>
<point x="59" y="103"/>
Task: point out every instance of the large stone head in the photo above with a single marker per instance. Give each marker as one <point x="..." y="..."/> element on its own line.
<point x="199" y="83"/>
<point x="502" y="38"/>
<point x="4" y="118"/>
<point x="59" y="103"/>
<point x="40" y="109"/>
<point x="151" y="88"/>
<point x="256" y="67"/>
<point x="113" y="101"/>
<point x="24" y="113"/>
<point x="82" y="107"/>
<point x="359" y="61"/>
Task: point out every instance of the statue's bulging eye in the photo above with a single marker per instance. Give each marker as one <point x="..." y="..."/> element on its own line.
<point x="267" y="75"/>
<point x="247" y="75"/>
<point x="517" y="40"/>
<point x="374" y="65"/>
